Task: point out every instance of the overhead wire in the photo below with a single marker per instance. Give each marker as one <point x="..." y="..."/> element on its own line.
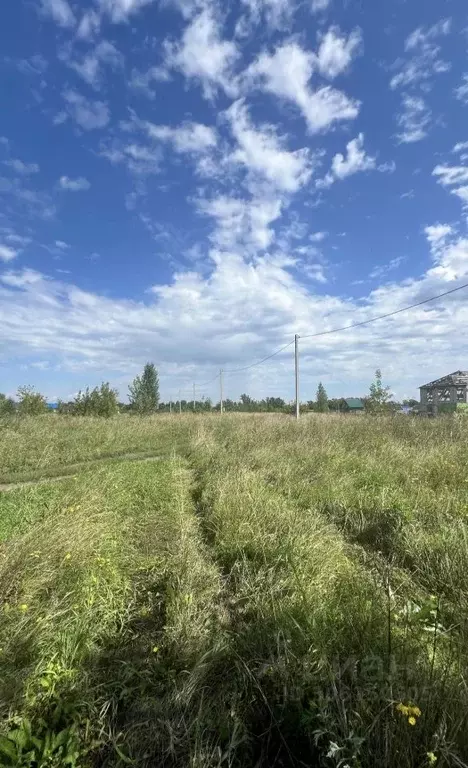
<point x="259" y="362"/>
<point x="332" y="330"/>
<point x="387" y="314"/>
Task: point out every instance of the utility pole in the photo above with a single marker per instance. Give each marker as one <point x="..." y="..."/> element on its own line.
<point x="221" y="400"/>
<point x="194" y="397"/>
<point x="180" y="404"/>
<point x="170" y="405"/>
<point x="296" y="368"/>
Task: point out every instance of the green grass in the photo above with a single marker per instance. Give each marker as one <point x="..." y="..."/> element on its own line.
<point x="37" y="446"/>
<point x="269" y="598"/>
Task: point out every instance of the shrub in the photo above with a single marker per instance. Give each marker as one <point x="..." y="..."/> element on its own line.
<point x="30" y="402"/>
<point x="100" y="401"/>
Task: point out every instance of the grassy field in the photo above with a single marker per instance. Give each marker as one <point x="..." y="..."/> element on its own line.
<point x="266" y="594"/>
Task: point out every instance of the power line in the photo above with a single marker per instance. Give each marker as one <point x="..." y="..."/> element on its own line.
<point x="388" y="314"/>
<point x="259" y="362"/>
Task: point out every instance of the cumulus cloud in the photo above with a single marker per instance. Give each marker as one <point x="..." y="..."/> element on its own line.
<point x="277" y="14"/>
<point x="240" y="223"/>
<point x="7" y="253"/>
<point x="336" y="52"/>
<point x="356" y="160"/>
<point x="89" y="115"/>
<point x="286" y="73"/>
<point x="90" y="68"/>
<point x="316" y="6"/>
<point x="203" y="55"/>
<point x="74" y="185"/>
<point x="262" y="152"/>
<point x="143" y="81"/>
<point x="60" y="11"/>
<point x="189" y="137"/>
<point x="238" y="313"/>
<point x="462" y="91"/>
<point x="24" y="169"/>
<point x="414" y="120"/>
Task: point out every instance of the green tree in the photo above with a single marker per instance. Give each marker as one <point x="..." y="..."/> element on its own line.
<point x="322" y="399"/>
<point x="144" y="391"/>
<point x="379" y="396"/>
<point x="100" y="401"/>
<point x="7" y="405"/>
<point x="30" y="402"/>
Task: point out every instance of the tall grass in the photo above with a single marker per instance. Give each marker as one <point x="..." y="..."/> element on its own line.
<point x="286" y="594"/>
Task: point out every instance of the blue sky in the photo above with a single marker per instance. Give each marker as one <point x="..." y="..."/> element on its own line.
<point x="192" y="182"/>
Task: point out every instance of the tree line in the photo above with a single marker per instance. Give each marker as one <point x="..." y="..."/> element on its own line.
<point x="143" y="399"/>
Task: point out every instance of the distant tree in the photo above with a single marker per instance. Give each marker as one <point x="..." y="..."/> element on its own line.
<point x="379" y="396"/>
<point x="100" y="401"/>
<point x="7" y="405"/>
<point x="322" y="399"/>
<point x="144" y="391"/>
<point x="30" y="402"/>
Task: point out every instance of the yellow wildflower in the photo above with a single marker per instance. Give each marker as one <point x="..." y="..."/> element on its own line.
<point x="416" y="711"/>
<point x="155" y="649"/>
<point x="431" y="758"/>
<point x="412" y="720"/>
<point x="24" y="607"/>
<point x="68" y="556"/>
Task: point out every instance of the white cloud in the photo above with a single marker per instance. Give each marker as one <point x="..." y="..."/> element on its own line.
<point x="242" y="223"/>
<point x="460" y="147"/>
<point x="317" y="237"/>
<point x="7" y="253"/>
<point x="336" y="52"/>
<point x="450" y="174"/>
<point x="277" y="14"/>
<point x="316" y="6"/>
<point x="414" y="120"/>
<point x="121" y="10"/>
<point x="90" y="115"/>
<point x="91" y="66"/>
<point x="462" y="91"/>
<point x="239" y="312"/>
<point x="139" y="159"/>
<point x="143" y="81"/>
<point x="59" y="11"/>
<point x="204" y="56"/>
<point x="355" y="161"/>
<point x="423" y="60"/>
<point x="24" y="169"/>
<point x="437" y="235"/>
<point x="62" y="245"/>
<point x="262" y="152"/>
<point x="455" y="177"/>
<point x="186" y="138"/>
<point x="79" y="184"/>
<point x="286" y="74"/>
<point x="89" y="26"/>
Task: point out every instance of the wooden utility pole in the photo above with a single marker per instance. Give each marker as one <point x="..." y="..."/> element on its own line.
<point x="221" y="400"/>
<point x="296" y="368"/>
<point x="194" y="396"/>
<point x="180" y="403"/>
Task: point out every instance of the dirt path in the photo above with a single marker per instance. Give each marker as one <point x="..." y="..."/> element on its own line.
<point x="69" y="470"/>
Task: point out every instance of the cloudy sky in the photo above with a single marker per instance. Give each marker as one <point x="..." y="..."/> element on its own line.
<point x="194" y="181"/>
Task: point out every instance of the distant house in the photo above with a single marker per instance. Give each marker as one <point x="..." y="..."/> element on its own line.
<point x="444" y="394"/>
<point x="352" y="405"/>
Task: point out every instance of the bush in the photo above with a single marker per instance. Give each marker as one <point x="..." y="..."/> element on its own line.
<point x="100" y="401"/>
<point x="30" y="402"/>
<point x="7" y="405"/>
